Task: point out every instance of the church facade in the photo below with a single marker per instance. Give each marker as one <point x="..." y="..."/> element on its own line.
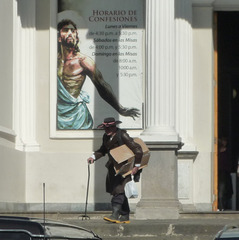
<point x="180" y="117"/>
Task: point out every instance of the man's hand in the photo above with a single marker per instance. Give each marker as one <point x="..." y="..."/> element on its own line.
<point x="90" y="160"/>
<point x="134" y="170"/>
<point x="130" y="112"/>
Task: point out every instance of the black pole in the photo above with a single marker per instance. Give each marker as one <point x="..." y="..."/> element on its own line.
<point x="44" y="209"/>
<point x="85" y="216"/>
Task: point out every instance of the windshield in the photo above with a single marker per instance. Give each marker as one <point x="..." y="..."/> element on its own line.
<point x="68" y="232"/>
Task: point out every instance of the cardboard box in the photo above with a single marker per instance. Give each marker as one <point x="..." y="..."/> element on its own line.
<point x="146" y="153"/>
<point x="124" y="158"/>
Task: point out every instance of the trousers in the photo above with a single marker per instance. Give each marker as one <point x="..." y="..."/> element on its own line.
<point x="123" y="201"/>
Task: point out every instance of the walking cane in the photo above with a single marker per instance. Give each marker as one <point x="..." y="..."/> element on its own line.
<point x="87" y="191"/>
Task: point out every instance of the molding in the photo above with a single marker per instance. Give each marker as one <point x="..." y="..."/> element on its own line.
<point x="53" y="73"/>
<point x="226" y="6"/>
<point x="88" y="134"/>
<point x="161" y="146"/>
<point x="51" y="208"/>
<point x="218" y="5"/>
<point x="7" y="134"/>
<point x="202" y="3"/>
<point x="187" y="155"/>
<point x="54" y="132"/>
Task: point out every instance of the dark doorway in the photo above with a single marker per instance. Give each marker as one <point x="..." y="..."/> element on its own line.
<point x="228" y="91"/>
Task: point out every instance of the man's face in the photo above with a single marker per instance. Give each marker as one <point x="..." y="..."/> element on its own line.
<point x="110" y="130"/>
<point x="68" y="35"/>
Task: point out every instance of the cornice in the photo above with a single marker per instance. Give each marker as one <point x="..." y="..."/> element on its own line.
<point x="229" y="5"/>
<point x="203" y="3"/>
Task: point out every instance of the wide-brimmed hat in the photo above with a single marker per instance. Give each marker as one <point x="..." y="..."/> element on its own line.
<point x="109" y="122"/>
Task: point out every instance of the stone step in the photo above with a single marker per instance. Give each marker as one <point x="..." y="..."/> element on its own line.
<point x="185" y="229"/>
<point x="211" y="215"/>
<point x="207" y="237"/>
<point x="59" y="215"/>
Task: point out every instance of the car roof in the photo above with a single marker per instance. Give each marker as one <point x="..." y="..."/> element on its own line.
<point x="21" y="223"/>
<point x="47" y="228"/>
<point x="228" y="232"/>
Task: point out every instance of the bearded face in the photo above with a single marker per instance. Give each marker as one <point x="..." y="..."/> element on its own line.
<point x="68" y="36"/>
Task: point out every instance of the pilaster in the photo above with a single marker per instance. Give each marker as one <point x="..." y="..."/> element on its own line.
<point x="159" y="194"/>
<point x="184" y="74"/>
<point x="24" y="118"/>
<point x="160" y="72"/>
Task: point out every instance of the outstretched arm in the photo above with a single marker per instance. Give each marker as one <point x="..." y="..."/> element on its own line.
<point x="106" y="92"/>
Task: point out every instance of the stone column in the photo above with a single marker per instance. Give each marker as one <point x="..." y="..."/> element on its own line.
<point x="159" y="195"/>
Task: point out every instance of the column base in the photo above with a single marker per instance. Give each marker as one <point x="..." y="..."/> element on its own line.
<point x="160" y="134"/>
<point x="158" y="209"/>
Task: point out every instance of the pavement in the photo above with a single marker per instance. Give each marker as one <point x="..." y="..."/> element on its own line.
<point x="190" y="226"/>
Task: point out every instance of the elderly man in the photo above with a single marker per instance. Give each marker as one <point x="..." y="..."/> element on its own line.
<point x="73" y="67"/>
<point x="113" y="138"/>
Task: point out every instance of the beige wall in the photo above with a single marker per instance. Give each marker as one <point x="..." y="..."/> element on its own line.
<point x="12" y="175"/>
<point x="6" y="64"/>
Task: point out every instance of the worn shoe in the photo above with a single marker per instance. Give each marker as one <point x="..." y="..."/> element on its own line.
<point x="123" y="219"/>
<point x="114" y="217"/>
<point x="111" y="218"/>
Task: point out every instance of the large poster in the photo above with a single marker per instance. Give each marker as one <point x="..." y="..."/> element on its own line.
<point x="100" y="63"/>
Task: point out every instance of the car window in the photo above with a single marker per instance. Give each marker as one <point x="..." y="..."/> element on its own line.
<point x="14" y="236"/>
<point x="67" y="232"/>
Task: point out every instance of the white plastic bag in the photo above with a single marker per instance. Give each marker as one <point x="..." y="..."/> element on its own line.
<point x="131" y="189"/>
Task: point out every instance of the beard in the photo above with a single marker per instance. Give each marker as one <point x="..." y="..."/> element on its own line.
<point x="69" y="44"/>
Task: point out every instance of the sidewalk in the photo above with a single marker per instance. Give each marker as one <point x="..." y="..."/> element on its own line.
<point x="203" y="226"/>
<point x="190" y="226"/>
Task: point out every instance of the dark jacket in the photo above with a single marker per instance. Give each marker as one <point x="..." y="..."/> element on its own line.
<point x="115" y="184"/>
